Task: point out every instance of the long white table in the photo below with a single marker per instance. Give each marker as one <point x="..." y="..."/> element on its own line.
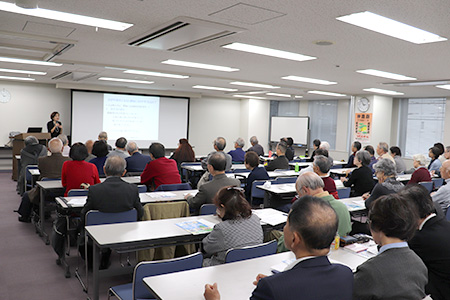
<point x="235" y="280"/>
<point x="341" y="171"/>
<point x="272" y="174"/>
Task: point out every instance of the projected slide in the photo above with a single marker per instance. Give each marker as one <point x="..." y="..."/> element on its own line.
<point x="135" y="117"/>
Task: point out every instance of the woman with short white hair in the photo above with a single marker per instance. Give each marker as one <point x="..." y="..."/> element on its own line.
<point x="421" y="173"/>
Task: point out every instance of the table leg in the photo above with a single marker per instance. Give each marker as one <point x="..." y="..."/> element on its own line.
<point x="41" y="228"/>
<point x="95" y="270"/>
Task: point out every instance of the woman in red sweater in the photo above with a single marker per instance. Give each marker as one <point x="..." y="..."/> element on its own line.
<point x="421" y="173"/>
<point x="77" y="171"/>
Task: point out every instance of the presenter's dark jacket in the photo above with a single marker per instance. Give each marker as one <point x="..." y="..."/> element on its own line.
<point x="57" y="130"/>
<point x="112" y="196"/>
<point x="258" y="173"/>
<point x="281" y="162"/>
<point x="160" y="171"/>
<point x="137" y="162"/>
<point x="361" y="181"/>
<point x="432" y="244"/>
<point x="313" y="278"/>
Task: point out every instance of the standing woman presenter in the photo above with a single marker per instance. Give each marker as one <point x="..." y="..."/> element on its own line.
<point x="54" y="126"/>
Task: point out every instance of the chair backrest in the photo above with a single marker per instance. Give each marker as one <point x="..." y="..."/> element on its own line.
<point x="257" y="193"/>
<point x="241" y="171"/>
<point x="343" y="193"/>
<point x="249" y="252"/>
<point x="281" y="180"/>
<point x="95" y="217"/>
<point x="154" y="268"/>
<point x="437" y="182"/>
<point x="142" y="188"/>
<point x="173" y="187"/>
<point x="207" y="209"/>
<point x="77" y="192"/>
<point x="28" y="176"/>
<point x="428" y="185"/>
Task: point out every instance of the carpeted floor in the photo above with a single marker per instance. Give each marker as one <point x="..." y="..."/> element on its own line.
<point x="27" y="266"/>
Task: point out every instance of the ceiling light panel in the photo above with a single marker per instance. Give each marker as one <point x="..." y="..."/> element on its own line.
<point x="308" y="80"/>
<point x="17" y="78"/>
<point x="279" y="95"/>
<point x="204" y="87"/>
<point x="125" y="80"/>
<point x="444" y="86"/>
<point x="198" y="65"/>
<point x="381" y="91"/>
<point x="385" y="74"/>
<point x="65" y="17"/>
<point x="23" y="72"/>
<point x="326" y="93"/>
<point x="383" y="25"/>
<point x="249" y="97"/>
<point x="257" y="85"/>
<point x="268" y="52"/>
<point x="29" y="62"/>
<point x="156" y="74"/>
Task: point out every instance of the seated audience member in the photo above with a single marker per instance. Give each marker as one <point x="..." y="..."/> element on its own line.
<point x="396" y="272"/>
<point x="446" y="154"/>
<point x="316" y="145"/>
<point x="77" y="171"/>
<point x="441" y="148"/>
<point x="103" y="136"/>
<point x="280" y="162"/>
<point x="373" y="160"/>
<point x="160" y="170"/>
<point x="387" y="184"/>
<point x="322" y="166"/>
<point x="238" y="155"/>
<point x="396" y="153"/>
<point x="442" y="195"/>
<point x="49" y="167"/>
<point x="361" y="179"/>
<point x="100" y="150"/>
<point x="431" y="242"/>
<point x="257" y="173"/>
<point x="421" y="173"/>
<point x="310" y="228"/>
<point x="207" y="191"/>
<point x="184" y="153"/>
<point x="383" y="151"/>
<point x="239" y="227"/>
<point x="356" y="146"/>
<point x="65" y="141"/>
<point x="120" y="151"/>
<point x="89" y="145"/>
<point x="324" y="145"/>
<point x="290" y="151"/>
<point x="219" y="144"/>
<point x="310" y="167"/>
<point x="136" y="162"/>
<point x="29" y="156"/>
<point x="435" y="163"/>
<point x="256" y="146"/>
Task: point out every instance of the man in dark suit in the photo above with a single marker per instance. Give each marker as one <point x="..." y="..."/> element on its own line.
<point x="49" y="167"/>
<point x="431" y="242"/>
<point x="280" y="162"/>
<point x="310" y="228"/>
<point x="137" y="161"/>
<point x="206" y="192"/>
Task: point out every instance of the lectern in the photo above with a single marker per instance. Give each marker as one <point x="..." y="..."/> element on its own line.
<point x="19" y="144"/>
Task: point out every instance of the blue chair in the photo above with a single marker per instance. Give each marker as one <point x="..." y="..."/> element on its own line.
<point x="184" y="172"/>
<point x="29" y="183"/>
<point x="343" y="193"/>
<point x="256" y="192"/>
<point x="207" y="209"/>
<point x="173" y="187"/>
<point x="142" y="188"/>
<point x="249" y="252"/>
<point x="138" y="290"/>
<point x="77" y="192"/>
<point x="281" y="180"/>
<point x="437" y="183"/>
<point x="428" y="185"/>
<point x="241" y="171"/>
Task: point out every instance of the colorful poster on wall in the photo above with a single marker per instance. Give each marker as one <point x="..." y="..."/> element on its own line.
<point x="363" y="127"/>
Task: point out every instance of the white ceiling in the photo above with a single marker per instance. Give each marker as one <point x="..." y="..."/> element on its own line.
<point x="290" y="25"/>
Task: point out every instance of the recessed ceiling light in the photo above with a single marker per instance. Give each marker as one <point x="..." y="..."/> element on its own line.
<point x="258" y="85"/>
<point x="268" y="52"/>
<point x="17" y="78"/>
<point x="420" y="83"/>
<point x="125" y="80"/>
<point x="308" y="80"/>
<point x="380" y="24"/>
<point x="198" y="65"/>
<point x="23" y="72"/>
<point x="385" y="74"/>
<point x="327" y="93"/>
<point x="279" y="95"/>
<point x="157" y="74"/>
<point x="380" y="91"/>
<point x="298" y="97"/>
<point x="444" y="86"/>
<point x="65" y="17"/>
<point x="204" y="87"/>
<point x="29" y="62"/>
<point x="249" y="97"/>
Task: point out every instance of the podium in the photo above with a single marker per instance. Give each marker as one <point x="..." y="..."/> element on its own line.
<point x="19" y="144"/>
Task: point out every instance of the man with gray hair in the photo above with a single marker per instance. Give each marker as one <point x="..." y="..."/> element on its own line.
<point x="256" y="146"/>
<point x="120" y="151"/>
<point x="238" y="155"/>
<point x="103" y="136"/>
<point x="219" y="144"/>
<point x="322" y="166"/>
<point x="28" y="156"/>
<point x="136" y="162"/>
<point x="383" y="151"/>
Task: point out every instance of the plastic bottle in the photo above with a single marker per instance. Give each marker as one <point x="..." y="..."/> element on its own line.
<point x="297" y="168"/>
<point x="335" y="244"/>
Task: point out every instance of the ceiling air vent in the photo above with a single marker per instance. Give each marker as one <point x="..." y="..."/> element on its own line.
<point x="61" y="75"/>
<point x="183" y="33"/>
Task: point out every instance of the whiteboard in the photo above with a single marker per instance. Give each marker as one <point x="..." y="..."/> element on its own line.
<point x="295" y="127"/>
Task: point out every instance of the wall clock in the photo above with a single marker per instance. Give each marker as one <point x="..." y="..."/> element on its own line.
<point x="363" y="104"/>
<point x="5" y="96"/>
